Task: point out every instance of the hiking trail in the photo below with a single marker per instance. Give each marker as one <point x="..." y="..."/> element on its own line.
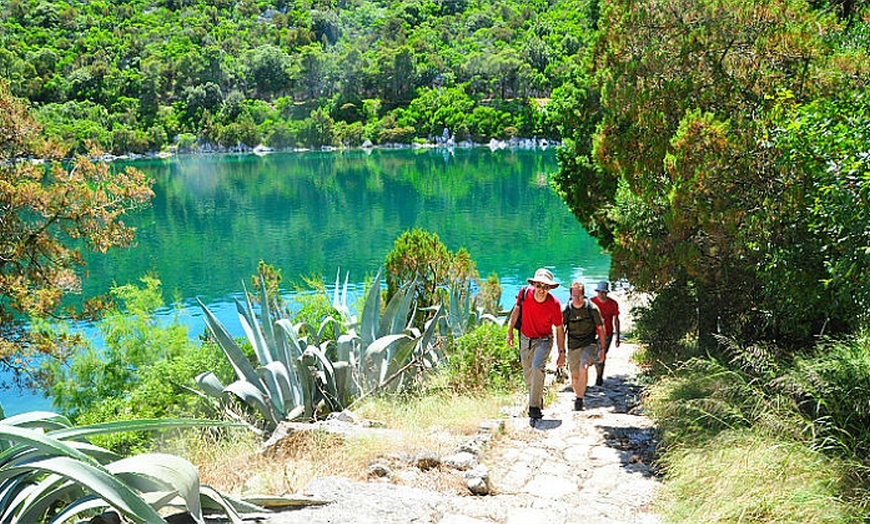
<point x="584" y="467"/>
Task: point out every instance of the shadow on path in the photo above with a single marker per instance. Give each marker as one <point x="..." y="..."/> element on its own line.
<point x="545" y="424"/>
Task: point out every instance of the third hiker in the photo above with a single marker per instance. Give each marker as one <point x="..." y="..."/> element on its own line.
<point x="610" y="313"/>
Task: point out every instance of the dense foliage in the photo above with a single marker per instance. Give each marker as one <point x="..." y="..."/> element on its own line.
<point x="727" y="161"/>
<point x="719" y="152"/>
<point x="144" y="368"/>
<point x="481" y="360"/>
<point x="140" y="75"/>
<point x="420" y="259"/>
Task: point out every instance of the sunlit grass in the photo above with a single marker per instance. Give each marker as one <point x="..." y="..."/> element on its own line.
<point x="734" y="449"/>
<point x="742" y="476"/>
<point x="443" y="411"/>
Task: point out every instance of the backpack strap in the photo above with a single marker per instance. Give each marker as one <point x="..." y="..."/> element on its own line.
<point x="566" y="312"/>
<point x="523" y="292"/>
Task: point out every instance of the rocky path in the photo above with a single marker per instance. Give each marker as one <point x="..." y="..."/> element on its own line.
<point x="586" y="467"/>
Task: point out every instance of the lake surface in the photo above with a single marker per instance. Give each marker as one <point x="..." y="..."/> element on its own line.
<point x="215" y="217"/>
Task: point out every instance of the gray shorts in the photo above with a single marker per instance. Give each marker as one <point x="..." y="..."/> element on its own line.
<point x="582" y="357"/>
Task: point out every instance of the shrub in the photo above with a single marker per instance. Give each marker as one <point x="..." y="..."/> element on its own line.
<point x="489" y="296"/>
<point x="143" y="371"/>
<point x="314" y="307"/>
<point x="421" y="258"/>
<point x="668" y="326"/>
<point x="163" y="391"/>
<point x="482" y="360"/>
<point x="133" y="339"/>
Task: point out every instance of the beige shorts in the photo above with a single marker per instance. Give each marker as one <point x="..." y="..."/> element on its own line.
<point x="583" y="356"/>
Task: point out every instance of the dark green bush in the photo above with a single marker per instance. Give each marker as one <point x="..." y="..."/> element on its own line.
<point x="421" y="257"/>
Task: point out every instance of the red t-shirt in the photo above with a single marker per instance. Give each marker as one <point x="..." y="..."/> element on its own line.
<point x="539" y="317"/>
<point x="609" y="309"/>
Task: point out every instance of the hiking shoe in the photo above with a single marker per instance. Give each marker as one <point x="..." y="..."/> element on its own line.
<point x="534" y="416"/>
<point x="578" y="404"/>
<point x="599" y="381"/>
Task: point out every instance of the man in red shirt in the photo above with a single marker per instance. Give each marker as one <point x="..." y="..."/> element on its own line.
<point x="610" y="311"/>
<point x="539" y="312"/>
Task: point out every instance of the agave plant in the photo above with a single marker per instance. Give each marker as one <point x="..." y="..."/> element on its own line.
<point x="382" y="349"/>
<point x="49" y="472"/>
<point x="297" y="376"/>
<point x="463" y="313"/>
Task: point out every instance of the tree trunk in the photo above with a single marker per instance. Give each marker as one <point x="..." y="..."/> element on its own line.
<point x="708" y="318"/>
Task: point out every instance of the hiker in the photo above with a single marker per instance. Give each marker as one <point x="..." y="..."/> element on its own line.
<point x="610" y="312"/>
<point x="584" y="328"/>
<point x="536" y="313"/>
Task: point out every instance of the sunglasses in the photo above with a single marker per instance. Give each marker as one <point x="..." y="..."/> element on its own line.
<point x="538" y="285"/>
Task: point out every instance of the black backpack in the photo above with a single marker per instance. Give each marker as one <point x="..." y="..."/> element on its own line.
<point x="580" y="324"/>
<point x="522" y="296"/>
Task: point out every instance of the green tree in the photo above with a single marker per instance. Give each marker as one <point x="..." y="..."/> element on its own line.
<point x="824" y="147"/>
<point x="133" y="340"/>
<point x="269" y="71"/>
<point x="421" y="258"/>
<point x="675" y="179"/>
<point x="315" y="71"/>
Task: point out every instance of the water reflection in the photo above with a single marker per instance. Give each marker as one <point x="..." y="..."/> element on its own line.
<point x="215" y="217"/>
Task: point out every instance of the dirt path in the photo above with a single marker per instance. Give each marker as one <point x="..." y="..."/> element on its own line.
<point x="582" y="467"/>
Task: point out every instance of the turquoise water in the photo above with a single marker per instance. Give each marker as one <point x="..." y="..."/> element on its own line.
<point x="215" y="217"/>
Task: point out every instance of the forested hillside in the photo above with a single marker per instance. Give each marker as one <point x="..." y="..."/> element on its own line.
<point x="143" y="75"/>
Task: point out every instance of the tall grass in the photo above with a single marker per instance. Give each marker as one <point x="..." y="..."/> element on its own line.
<point x="765" y="438"/>
<point x="749" y="476"/>
<point x="832" y="387"/>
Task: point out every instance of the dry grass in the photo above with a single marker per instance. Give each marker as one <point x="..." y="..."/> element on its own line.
<point x="303" y="456"/>
<point x="433" y="423"/>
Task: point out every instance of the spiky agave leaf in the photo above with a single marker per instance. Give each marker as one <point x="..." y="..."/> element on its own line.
<point x="122" y="426"/>
<point x="253" y="397"/>
<point x="395" y="318"/>
<point x="375" y="361"/>
<point x="159" y="472"/>
<point x="252" y="331"/>
<point x="368" y="329"/>
<point x="277" y="376"/>
<point x="404" y="353"/>
<point x="94" y="478"/>
<point x="243" y="368"/>
<point x="210" y="384"/>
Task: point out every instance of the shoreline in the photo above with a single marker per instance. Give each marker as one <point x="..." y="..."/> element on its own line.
<point x="262" y="150"/>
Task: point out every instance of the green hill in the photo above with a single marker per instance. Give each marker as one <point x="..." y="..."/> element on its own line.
<point x="139" y="76"/>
